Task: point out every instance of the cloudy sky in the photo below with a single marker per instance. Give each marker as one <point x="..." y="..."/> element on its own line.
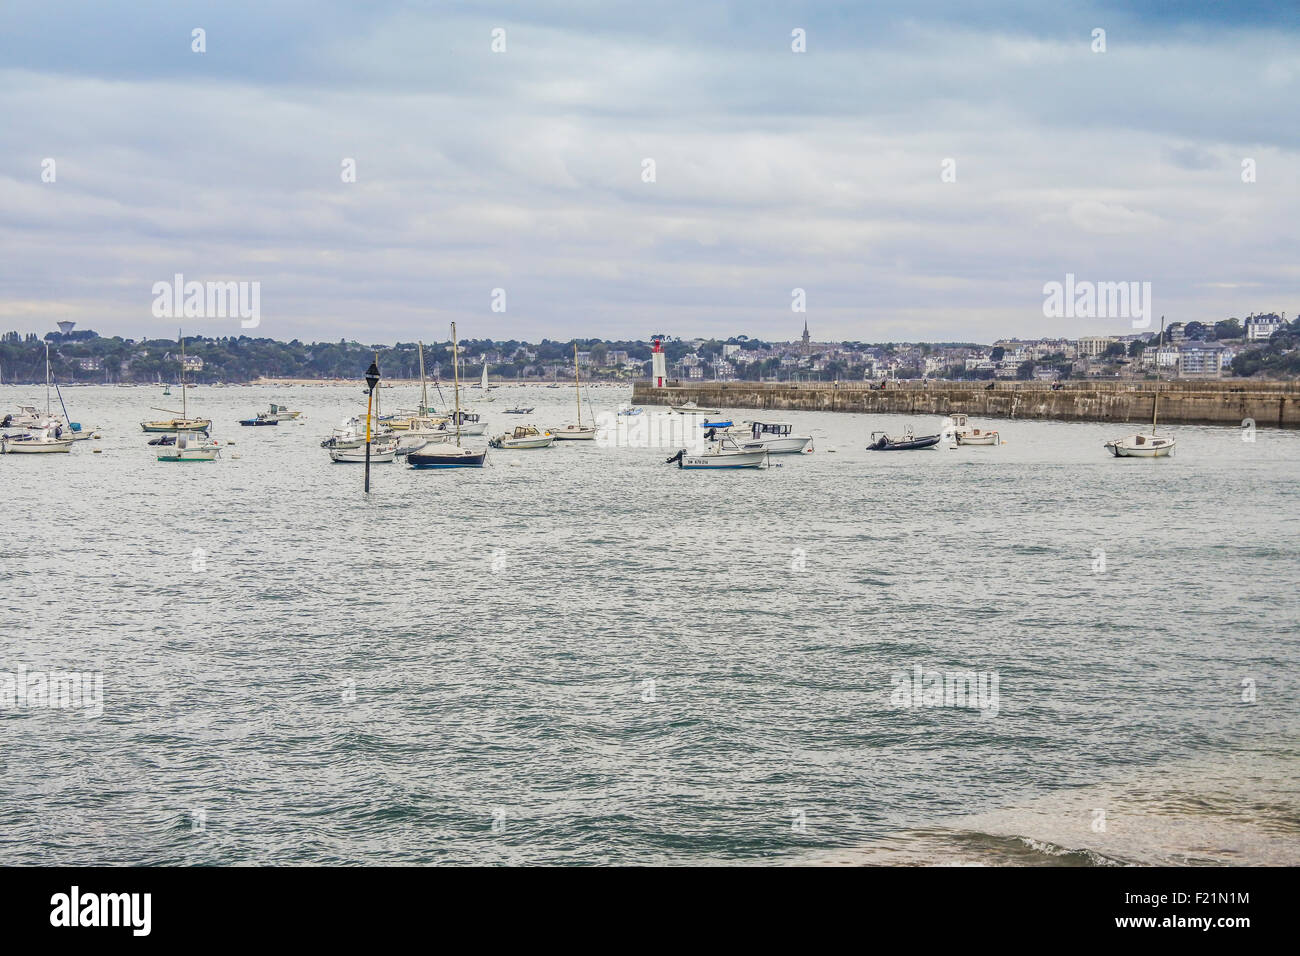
<point x="523" y="170"/>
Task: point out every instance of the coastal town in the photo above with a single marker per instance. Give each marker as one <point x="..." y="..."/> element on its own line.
<point x="1260" y="345"/>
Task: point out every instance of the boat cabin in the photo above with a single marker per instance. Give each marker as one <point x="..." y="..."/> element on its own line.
<point x="771" y="429"/>
<point x="465" y="418"/>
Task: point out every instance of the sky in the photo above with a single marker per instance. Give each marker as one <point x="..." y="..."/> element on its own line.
<point x="920" y="171"/>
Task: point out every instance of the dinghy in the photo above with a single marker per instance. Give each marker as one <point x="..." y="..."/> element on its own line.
<point x="880" y="441"/>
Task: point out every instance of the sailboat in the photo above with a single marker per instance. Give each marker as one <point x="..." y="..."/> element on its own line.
<point x="444" y="454"/>
<point x="1152" y="445"/>
<point x="485" y="386"/>
<point x="184" y="423"/>
<point x="44" y="433"/>
<point x="579" y="431"/>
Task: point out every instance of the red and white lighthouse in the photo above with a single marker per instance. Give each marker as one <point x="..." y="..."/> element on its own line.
<point x="658" y="368"/>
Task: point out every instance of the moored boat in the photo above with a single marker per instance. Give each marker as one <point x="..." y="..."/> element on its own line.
<point x="967" y="434"/>
<point x="37" y="441"/>
<point x="721" y="453"/>
<point x="690" y="408"/>
<point x="1146" y="446"/>
<point x="880" y="441"/>
<point x="190" y="446"/>
<point x="442" y="453"/>
<point x="776" y="438"/>
<point x="523" y="437"/>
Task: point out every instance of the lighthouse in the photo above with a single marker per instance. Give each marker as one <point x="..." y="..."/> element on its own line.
<point x="658" y="369"/>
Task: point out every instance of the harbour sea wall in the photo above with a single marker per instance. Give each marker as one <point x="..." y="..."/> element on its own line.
<point x="1226" y="402"/>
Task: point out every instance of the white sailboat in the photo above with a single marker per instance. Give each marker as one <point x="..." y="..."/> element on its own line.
<point x="36" y="441"/>
<point x="1152" y="445"/>
<point x="579" y="431"/>
<point x="487" y="389"/>
<point x="42" y="434"/>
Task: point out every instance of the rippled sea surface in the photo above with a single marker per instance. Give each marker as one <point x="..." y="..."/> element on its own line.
<point x="458" y="668"/>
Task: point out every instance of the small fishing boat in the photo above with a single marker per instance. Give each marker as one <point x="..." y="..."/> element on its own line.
<point x="190" y="446"/>
<point x="422" y="431"/>
<point x="1146" y="446"/>
<point x="880" y="441"/>
<point x="469" y="423"/>
<point x="777" y="438"/>
<point x="261" y="418"/>
<point x="281" y="413"/>
<point x="524" y="436"/>
<point x="968" y="435"/>
<point x="520" y="410"/>
<point x="381" y="450"/>
<point x="690" y="408"/>
<point x="37" y="441"/>
<point x="27" y="416"/>
<point x="721" y="453"/>
<point x="634" y="410"/>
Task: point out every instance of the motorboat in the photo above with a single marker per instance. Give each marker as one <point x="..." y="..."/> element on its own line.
<point x="190" y="446"/>
<point x="634" y="410"/>
<point x="690" y="408"/>
<point x="37" y="441"/>
<point x="721" y="453"/>
<point x="1146" y="446"/>
<point x="381" y="450"/>
<point x="520" y="410"/>
<point x="524" y="436"/>
<point x="261" y="418"/>
<point x="968" y="435"/>
<point x="282" y="414"/>
<point x="880" y="441"/>
<point x="469" y="423"/>
<point x="27" y="416"/>
<point x="443" y="453"/>
<point x="423" y="431"/>
<point x="777" y="438"/>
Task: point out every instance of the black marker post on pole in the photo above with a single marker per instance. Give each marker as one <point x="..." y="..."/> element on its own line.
<point x="372" y="379"/>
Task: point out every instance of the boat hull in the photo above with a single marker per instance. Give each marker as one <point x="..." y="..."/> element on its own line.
<point x="986" y="438"/>
<point x="726" y="461"/>
<point x="445" y="459"/>
<point x="352" y="456"/>
<point x="545" y="441"/>
<point x="575" y="433"/>
<point x="14" y="447"/>
<point x="776" y="446"/>
<point x="1141" y="446"/>
<point x="913" y="444"/>
<point x="178" y="425"/>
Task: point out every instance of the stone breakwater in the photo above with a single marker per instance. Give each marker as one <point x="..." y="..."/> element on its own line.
<point x="1228" y="402"/>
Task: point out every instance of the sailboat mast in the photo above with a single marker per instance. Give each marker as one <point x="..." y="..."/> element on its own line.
<point x="1155" y="402"/>
<point x="424" y="386"/>
<point x="184" y="407"/>
<point x="47" y="379"/>
<point x="577" y="387"/>
<point x="455" y="374"/>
